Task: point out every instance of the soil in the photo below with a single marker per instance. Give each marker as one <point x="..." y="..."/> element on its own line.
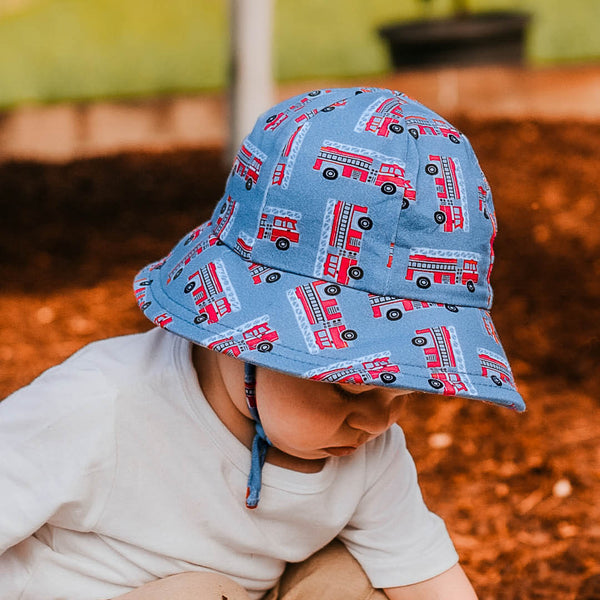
<point x="519" y="492"/>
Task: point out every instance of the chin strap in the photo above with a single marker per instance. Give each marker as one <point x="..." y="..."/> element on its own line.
<point x="260" y="443"/>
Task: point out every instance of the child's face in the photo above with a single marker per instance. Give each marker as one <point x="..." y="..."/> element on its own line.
<point x="314" y="420"/>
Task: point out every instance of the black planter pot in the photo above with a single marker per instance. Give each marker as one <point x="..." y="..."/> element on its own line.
<point x="473" y="39"/>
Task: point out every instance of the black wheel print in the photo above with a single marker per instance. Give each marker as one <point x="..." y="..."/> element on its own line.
<point x="330" y="173"/>
<point x="470" y="286"/>
<point x="423" y="282"/>
<point x="223" y="207"/>
<point x="387" y="377"/>
<point x="200" y="318"/>
<point x="405" y="203"/>
<point x="328" y="109"/>
<point x="436" y="384"/>
<point x="189" y="287"/>
<point x="265" y="347"/>
<point x="145" y="305"/>
<point x="419" y="340"/>
<point x="396" y="128"/>
<point x="439" y="217"/>
<point x="496" y="380"/>
<point x="453" y="139"/>
<point x="414" y="132"/>
<point x="431" y="169"/>
<point x="451" y="307"/>
<point x="388" y="188"/>
<point x="349" y="335"/>
<point x="282" y="243"/>
<point x="332" y="290"/>
<point x="356" y="272"/>
<point x="145" y="283"/>
<point x="219" y="243"/>
<point x="249" y="183"/>
<point x="314" y="93"/>
<point x="178" y="273"/>
<point x="393" y="314"/>
<point x="273" y="277"/>
<point x="271" y="118"/>
<point x="365" y="223"/>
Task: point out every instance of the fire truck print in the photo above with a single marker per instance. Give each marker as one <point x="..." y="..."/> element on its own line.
<point x="494" y="367"/>
<point x="263" y="274"/>
<point x="382" y="117"/>
<point x="452" y="211"/>
<point x="483" y="199"/>
<point x="225" y="218"/>
<point x="447" y="267"/>
<point x="140" y="287"/>
<point x="341" y="237"/>
<point x="283" y="170"/>
<point x="274" y="121"/>
<point x="393" y="307"/>
<point x="177" y="270"/>
<point x="488" y="325"/>
<point x="444" y="360"/>
<point x="163" y="320"/>
<point x="319" y="316"/>
<point x="243" y="245"/>
<point x="363" y="370"/>
<point x="418" y="126"/>
<point x="365" y="166"/>
<point x="252" y="336"/>
<point x="280" y="226"/>
<point x="248" y="162"/>
<point x="212" y="292"/>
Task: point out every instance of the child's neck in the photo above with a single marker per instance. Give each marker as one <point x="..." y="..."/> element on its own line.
<point x="215" y="389"/>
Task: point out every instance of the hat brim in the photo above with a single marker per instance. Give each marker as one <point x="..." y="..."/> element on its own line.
<point x="309" y="328"/>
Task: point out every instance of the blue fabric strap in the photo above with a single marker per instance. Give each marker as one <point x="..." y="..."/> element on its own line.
<point x="260" y="443"/>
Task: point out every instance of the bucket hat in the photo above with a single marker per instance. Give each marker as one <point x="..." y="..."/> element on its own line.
<point x="353" y="244"/>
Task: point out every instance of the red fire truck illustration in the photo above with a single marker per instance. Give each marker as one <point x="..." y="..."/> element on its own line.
<point x="248" y="162"/>
<point x="444" y="360"/>
<point x="163" y="320"/>
<point x="452" y="213"/>
<point x="442" y="266"/>
<point x="243" y="245"/>
<point x="212" y="292"/>
<point x="140" y="287"/>
<point x="280" y="226"/>
<point x="261" y="274"/>
<point x="255" y="335"/>
<point x="339" y="247"/>
<point x="363" y="165"/>
<point x="177" y="270"/>
<point x="300" y="104"/>
<point x="225" y="218"/>
<point x="393" y="307"/>
<point x="319" y="316"/>
<point x="283" y="170"/>
<point x="274" y="121"/>
<point x="488" y="325"/>
<point x="494" y="367"/>
<point x="483" y="200"/>
<point x="364" y="370"/>
<point x="382" y="117"/>
<point x="422" y="126"/>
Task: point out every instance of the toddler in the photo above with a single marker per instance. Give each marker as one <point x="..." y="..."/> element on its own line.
<point x="248" y="446"/>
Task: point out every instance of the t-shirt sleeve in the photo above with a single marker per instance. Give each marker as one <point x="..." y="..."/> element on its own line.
<point x="56" y="453"/>
<point x="393" y="535"/>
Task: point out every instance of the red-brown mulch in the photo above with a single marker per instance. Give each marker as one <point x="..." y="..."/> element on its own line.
<point x="519" y="492"/>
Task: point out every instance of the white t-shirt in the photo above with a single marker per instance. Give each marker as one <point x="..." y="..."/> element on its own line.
<point x="115" y="471"/>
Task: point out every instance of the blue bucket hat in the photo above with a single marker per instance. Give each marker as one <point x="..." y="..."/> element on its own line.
<point x="353" y="244"/>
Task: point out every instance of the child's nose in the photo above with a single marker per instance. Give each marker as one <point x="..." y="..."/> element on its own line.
<point x="373" y="416"/>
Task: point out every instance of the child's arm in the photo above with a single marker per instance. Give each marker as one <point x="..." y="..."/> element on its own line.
<point x="449" y="585"/>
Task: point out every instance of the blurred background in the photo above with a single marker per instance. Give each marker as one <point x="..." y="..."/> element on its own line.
<point x="117" y="119"/>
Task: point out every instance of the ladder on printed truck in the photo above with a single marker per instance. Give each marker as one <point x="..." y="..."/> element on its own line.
<point x="314" y="304"/>
<point x="343" y="224"/>
<point x="440" y="342"/>
<point x="209" y="284"/>
<point x="449" y="179"/>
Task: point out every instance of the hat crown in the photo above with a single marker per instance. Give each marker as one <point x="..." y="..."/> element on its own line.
<point x="365" y="188"/>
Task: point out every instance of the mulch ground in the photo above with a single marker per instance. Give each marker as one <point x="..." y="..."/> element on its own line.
<point x="519" y="492"/>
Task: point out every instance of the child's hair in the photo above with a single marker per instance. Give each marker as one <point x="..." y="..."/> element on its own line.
<point x="353" y="244"/>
